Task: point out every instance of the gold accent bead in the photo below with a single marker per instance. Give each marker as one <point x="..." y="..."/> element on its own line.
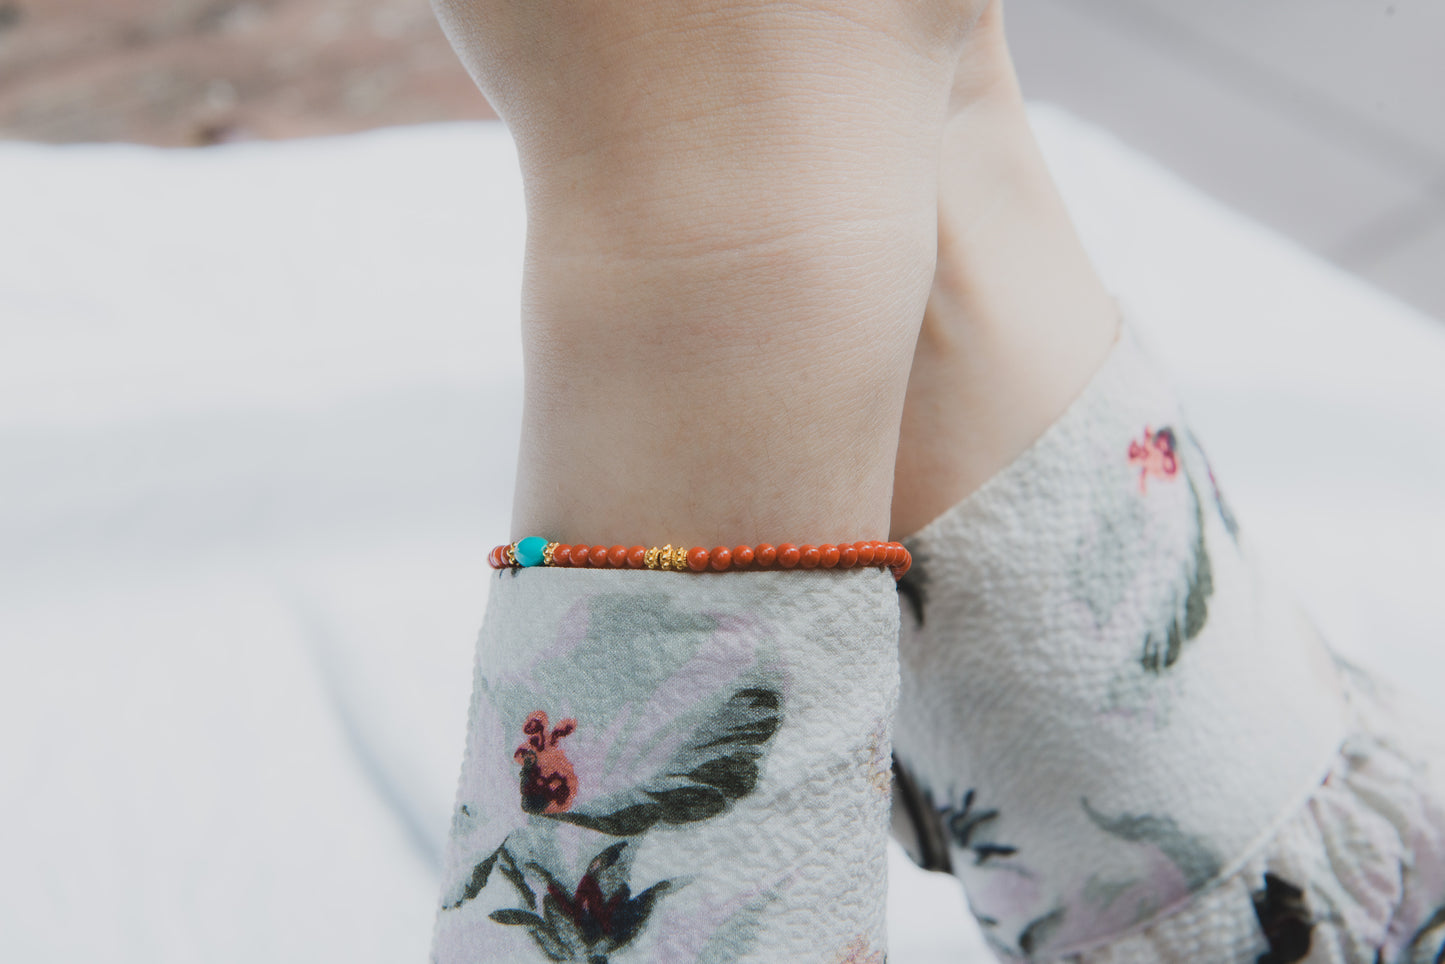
<point x="651" y="558"/>
<point x="664" y="558"/>
<point x="679" y="558"/>
<point x="547" y="553"/>
<point x="511" y="554"/>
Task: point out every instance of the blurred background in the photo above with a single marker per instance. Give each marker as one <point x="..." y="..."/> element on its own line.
<point x="259" y="378"/>
<point x="1325" y="119"/>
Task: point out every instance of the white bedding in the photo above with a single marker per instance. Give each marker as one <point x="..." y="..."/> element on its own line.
<point x="258" y="415"/>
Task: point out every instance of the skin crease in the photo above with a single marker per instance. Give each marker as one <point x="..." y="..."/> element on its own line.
<point x="734" y="213"/>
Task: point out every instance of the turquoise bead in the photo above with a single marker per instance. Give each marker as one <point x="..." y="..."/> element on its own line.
<point x="529" y="551"/>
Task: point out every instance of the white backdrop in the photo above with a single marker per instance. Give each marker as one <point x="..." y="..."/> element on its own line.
<point x="258" y="419"/>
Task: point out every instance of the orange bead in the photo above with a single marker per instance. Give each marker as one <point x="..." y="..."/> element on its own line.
<point x="810" y="557"/>
<point x="579" y="555"/>
<point x="637" y="557"/>
<point x="597" y="557"/>
<point x="742" y="557"/>
<point x="697" y="559"/>
<point x="847" y="557"/>
<point x="617" y="557"/>
<point x="492" y="559"/>
<point x="560" y="557"/>
<point x="831" y="555"/>
<point x="905" y="564"/>
<point x="865" y="553"/>
<point x="788" y="555"/>
<point x="765" y="555"/>
<point x="897" y="554"/>
<point x="721" y="557"/>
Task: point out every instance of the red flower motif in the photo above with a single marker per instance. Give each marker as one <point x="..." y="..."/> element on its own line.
<point x="613" y="921"/>
<point x="1155" y="456"/>
<point x="549" y="784"/>
<point x="591" y="910"/>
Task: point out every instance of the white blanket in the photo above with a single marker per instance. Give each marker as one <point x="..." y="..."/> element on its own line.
<point x="258" y="420"/>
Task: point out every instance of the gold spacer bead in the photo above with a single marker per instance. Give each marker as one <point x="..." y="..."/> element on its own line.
<point x="651" y="558"/>
<point x="511" y="555"/>
<point x="664" y="558"/>
<point x="679" y="558"/>
<point x="547" y="553"/>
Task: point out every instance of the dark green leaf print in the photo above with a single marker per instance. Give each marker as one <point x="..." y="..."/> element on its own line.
<point x="525" y="917"/>
<point x="718" y="765"/>
<point x="627" y="822"/>
<point x="591" y="920"/>
<point x="480" y="873"/>
<point x="734" y="776"/>
<point x="964" y="823"/>
<point x="1191" y="854"/>
<point x="1164" y="645"/>
<point x="689" y="804"/>
<point x="506" y="865"/>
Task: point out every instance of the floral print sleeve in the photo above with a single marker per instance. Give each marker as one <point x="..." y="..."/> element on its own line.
<point x="1125" y="740"/>
<point x="666" y="767"/>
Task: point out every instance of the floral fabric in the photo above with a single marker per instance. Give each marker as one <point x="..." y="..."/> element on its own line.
<point x="1124" y="738"/>
<point x="1355" y="876"/>
<point x="666" y="767"/>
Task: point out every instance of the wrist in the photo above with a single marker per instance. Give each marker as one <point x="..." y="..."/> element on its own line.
<point x="672" y="331"/>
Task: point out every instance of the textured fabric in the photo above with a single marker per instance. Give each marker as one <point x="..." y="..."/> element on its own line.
<point x="1356" y="876"/>
<point x="670" y="767"/>
<point x="1113" y="724"/>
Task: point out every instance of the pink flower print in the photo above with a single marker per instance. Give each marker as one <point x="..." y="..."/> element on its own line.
<point x="549" y="784"/>
<point x="1155" y="455"/>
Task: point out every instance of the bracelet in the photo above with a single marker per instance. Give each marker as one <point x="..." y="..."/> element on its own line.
<point x="536" y="551"/>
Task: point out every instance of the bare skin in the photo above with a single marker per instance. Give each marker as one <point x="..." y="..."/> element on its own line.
<point x="734" y="216"/>
<point x="1017" y="320"/>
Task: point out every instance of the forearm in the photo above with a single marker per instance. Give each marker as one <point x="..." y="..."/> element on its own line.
<point x="720" y="320"/>
<point x="1018" y="320"/>
<point x="732" y="216"/>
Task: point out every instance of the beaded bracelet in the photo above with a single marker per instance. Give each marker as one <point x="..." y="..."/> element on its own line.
<point x="536" y="551"/>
